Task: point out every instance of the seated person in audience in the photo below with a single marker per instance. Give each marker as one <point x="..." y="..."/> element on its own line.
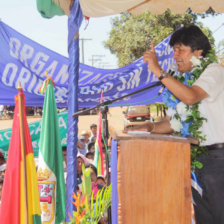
<point x="90" y="155"/>
<point x="100" y="180"/>
<point x="2" y="170"/>
<point x="64" y="151"/>
<point x="87" y="136"/>
<point x="93" y="172"/>
<point x="91" y="147"/>
<point x="81" y="145"/>
<point x="93" y="176"/>
<point x="81" y="159"/>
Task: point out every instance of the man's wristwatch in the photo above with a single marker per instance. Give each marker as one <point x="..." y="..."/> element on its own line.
<point x="164" y="74"/>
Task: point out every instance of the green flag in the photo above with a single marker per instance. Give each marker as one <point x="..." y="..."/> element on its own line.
<point x="50" y="168"/>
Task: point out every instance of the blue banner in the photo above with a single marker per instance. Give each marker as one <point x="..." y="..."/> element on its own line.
<point x="25" y="61"/>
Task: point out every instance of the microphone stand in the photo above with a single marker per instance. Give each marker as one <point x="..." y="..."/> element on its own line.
<point x="104" y="109"/>
<point x="106" y="103"/>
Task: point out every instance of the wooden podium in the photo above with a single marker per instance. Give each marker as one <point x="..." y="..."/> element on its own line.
<point x="154" y="183"/>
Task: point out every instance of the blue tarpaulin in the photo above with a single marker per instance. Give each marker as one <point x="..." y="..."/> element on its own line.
<point x="23" y="60"/>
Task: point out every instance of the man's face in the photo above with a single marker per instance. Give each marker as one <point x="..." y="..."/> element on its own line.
<point x="92" y="149"/>
<point x="1" y="186"/>
<point x="65" y="156"/>
<point x="86" y="138"/>
<point x="90" y="156"/>
<point x="101" y="182"/>
<point x="79" y="165"/>
<point x="182" y="55"/>
<point x="2" y="161"/>
<point x="2" y="174"/>
<point x="93" y="176"/>
<point x="94" y="130"/>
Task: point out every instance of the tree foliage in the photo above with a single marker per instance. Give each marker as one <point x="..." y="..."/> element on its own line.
<point x="131" y="34"/>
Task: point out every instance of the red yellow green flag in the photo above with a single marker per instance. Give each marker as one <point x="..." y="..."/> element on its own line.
<point x="20" y="197"/>
<point x="50" y="167"/>
<point x="98" y="158"/>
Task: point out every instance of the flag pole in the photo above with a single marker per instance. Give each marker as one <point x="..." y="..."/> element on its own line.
<point x="23" y="151"/>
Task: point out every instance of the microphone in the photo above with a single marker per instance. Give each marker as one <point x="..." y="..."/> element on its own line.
<point x="172" y="70"/>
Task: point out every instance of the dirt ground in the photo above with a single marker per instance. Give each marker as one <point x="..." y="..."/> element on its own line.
<point x="115" y="120"/>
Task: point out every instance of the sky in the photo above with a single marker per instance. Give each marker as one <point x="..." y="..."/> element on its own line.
<point x="24" y="17"/>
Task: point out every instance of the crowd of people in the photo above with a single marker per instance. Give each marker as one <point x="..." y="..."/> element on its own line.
<point x="85" y="156"/>
<point x="8" y="111"/>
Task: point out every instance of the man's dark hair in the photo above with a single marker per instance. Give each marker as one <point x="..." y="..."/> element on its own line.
<point x="64" y="148"/>
<point x="93" y="168"/>
<point x="1" y="180"/>
<point x="193" y="37"/>
<point x="90" y="145"/>
<point x="101" y="177"/>
<point x="89" y="153"/>
<point x="93" y="126"/>
<point x="1" y="156"/>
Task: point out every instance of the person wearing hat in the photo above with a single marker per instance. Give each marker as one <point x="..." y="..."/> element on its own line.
<point x="81" y="145"/>
<point x="86" y="134"/>
<point x="83" y="141"/>
<point x="81" y="159"/>
<point x="85" y="160"/>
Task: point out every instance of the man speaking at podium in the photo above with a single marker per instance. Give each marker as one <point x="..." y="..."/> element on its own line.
<point x="196" y="108"/>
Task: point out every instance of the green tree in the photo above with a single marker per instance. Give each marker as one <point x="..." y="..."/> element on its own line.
<point x="131" y="34"/>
